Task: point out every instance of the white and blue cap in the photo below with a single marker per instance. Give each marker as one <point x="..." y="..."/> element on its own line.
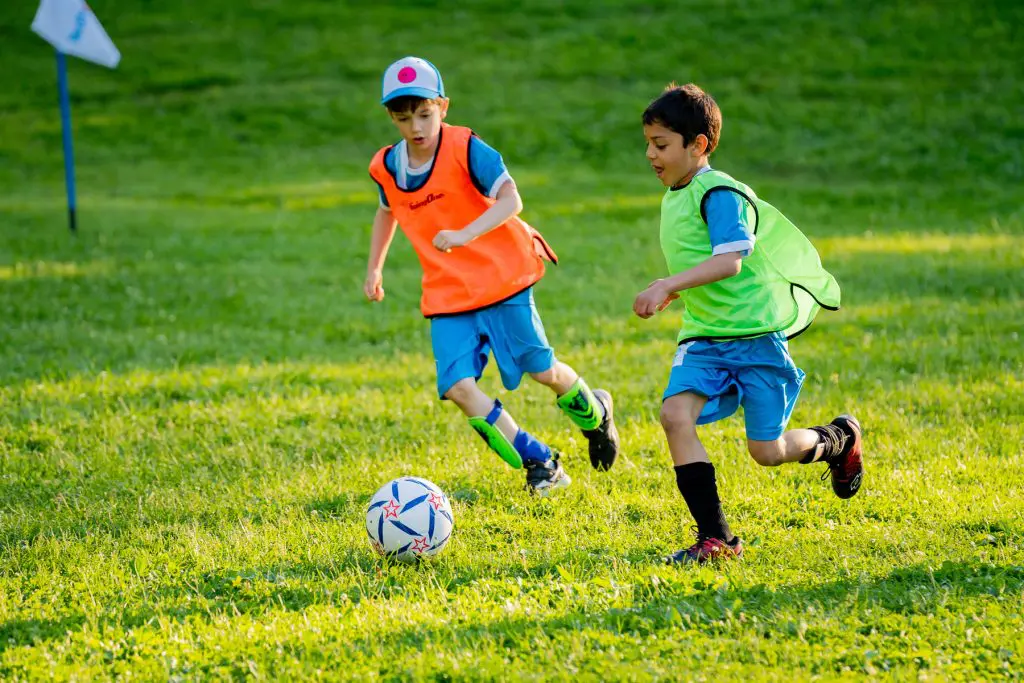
<point x="411" y="76"/>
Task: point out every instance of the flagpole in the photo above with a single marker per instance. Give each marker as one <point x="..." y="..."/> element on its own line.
<point x="69" y="153"/>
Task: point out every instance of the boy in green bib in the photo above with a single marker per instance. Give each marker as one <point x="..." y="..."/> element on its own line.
<point x="749" y="281"/>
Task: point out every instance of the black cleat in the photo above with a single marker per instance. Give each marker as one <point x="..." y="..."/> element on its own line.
<point x="542" y="478"/>
<point x="604" y="441"/>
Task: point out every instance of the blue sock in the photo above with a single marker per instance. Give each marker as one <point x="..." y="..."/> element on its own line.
<point x="530" y="448"/>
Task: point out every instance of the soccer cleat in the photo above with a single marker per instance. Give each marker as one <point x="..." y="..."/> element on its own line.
<point x="847" y="467"/>
<point x="604" y="441"/>
<point x="707" y="550"/>
<point x="544" y="477"/>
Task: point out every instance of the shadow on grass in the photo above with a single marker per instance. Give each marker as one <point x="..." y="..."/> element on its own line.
<point x="688" y="603"/>
<point x="251" y="591"/>
<point x="652" y="605"/>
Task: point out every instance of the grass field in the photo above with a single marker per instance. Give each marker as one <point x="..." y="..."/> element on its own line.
<point x="196" y="402"/>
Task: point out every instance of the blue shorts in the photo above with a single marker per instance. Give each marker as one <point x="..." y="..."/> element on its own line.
<point x="757" y="374"/>
<point x="511" y="330"/>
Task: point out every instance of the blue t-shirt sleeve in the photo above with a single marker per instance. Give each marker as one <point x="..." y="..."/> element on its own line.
<point x="728" y="226"/>
<point x="487" y="167"/>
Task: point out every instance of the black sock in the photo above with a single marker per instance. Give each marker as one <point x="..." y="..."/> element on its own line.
<point x="696" y="482"/>
<point x="831" y="443"/>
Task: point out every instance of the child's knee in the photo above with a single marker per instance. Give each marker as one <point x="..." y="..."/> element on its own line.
<point x="559" y="376"/>
<point x="675" y="421"/>
<point x="461" y="391"/>
<point x="547" y="377"/>
<point x="766" y="453"/>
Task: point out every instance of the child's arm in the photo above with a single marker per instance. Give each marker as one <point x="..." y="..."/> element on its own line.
<point x="731" y="234"/>
<point x="384" y="225"/>
<point x="508" y="203"/>
<point x="662" y="292"/>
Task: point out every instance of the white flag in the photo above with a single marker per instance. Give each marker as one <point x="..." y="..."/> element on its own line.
<point x="71" y="27"/>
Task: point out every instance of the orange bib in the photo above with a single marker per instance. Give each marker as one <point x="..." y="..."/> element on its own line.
<point x="488" y="270"/>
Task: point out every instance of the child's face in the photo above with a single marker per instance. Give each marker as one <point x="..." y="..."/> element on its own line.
<point x="672" y="162"/>
<point x="420" y="128"/>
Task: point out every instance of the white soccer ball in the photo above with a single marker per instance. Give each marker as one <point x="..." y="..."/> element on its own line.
<point x="409" y="518"/>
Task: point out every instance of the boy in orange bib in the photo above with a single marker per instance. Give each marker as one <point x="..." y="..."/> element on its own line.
<point x="455" y="201"/>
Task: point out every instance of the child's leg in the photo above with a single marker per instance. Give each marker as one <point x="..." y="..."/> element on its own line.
<point x="695" y="475"/>
<point x="560" y="378"/>
<point x="574" y="396"/>
<point x="837" y="444"/>
<point x="698" y="391"/>
<point x="461" y="348"/>
<point x="591" y="411"/>
<point x="497" y="427"/>
<point x="793" y="446"/>
<point x="520" y="346"/>
<point x="767" y="405"/>
<point x="771" y="387"/>
<point x="473" y="402"/>
<point x="767" y="411"/>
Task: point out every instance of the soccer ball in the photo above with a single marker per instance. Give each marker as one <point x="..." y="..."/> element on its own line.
<point x="409" y="518"/>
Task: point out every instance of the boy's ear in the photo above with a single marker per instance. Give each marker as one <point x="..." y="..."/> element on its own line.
<point x="700" y="144"/>
<point x="444" y="108"/>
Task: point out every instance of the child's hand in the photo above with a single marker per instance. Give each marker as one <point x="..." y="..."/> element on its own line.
<point x="373" y="286"/>
<point x="653" y="300"/>
<point x="446" y="240"/>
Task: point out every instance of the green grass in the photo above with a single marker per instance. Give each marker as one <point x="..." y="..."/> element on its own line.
<point x="196" y="403"/>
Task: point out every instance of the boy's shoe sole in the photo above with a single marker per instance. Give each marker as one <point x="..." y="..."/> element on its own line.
<point x="604" y="441"/>
<point x="543" y="480"/>
<point x="560" y="482"/>
<point x="707" y="550"/>
<point x="847" y="470"/>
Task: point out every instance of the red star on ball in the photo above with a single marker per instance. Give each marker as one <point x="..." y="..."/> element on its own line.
<point x="391" y="510"/>
<point x="420" y="544"/>
<point x="435" y="500"/>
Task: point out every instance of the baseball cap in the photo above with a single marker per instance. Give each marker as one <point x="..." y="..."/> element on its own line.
<point x="411" y="76"/>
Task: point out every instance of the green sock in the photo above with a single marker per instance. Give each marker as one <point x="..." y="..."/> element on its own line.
<point x="581" y="406"/>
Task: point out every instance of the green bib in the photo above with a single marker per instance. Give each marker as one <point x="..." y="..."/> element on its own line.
<point x="780" y="287"/>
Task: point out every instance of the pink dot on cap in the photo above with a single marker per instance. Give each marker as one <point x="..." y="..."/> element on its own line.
<point x="407" y="75"/>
